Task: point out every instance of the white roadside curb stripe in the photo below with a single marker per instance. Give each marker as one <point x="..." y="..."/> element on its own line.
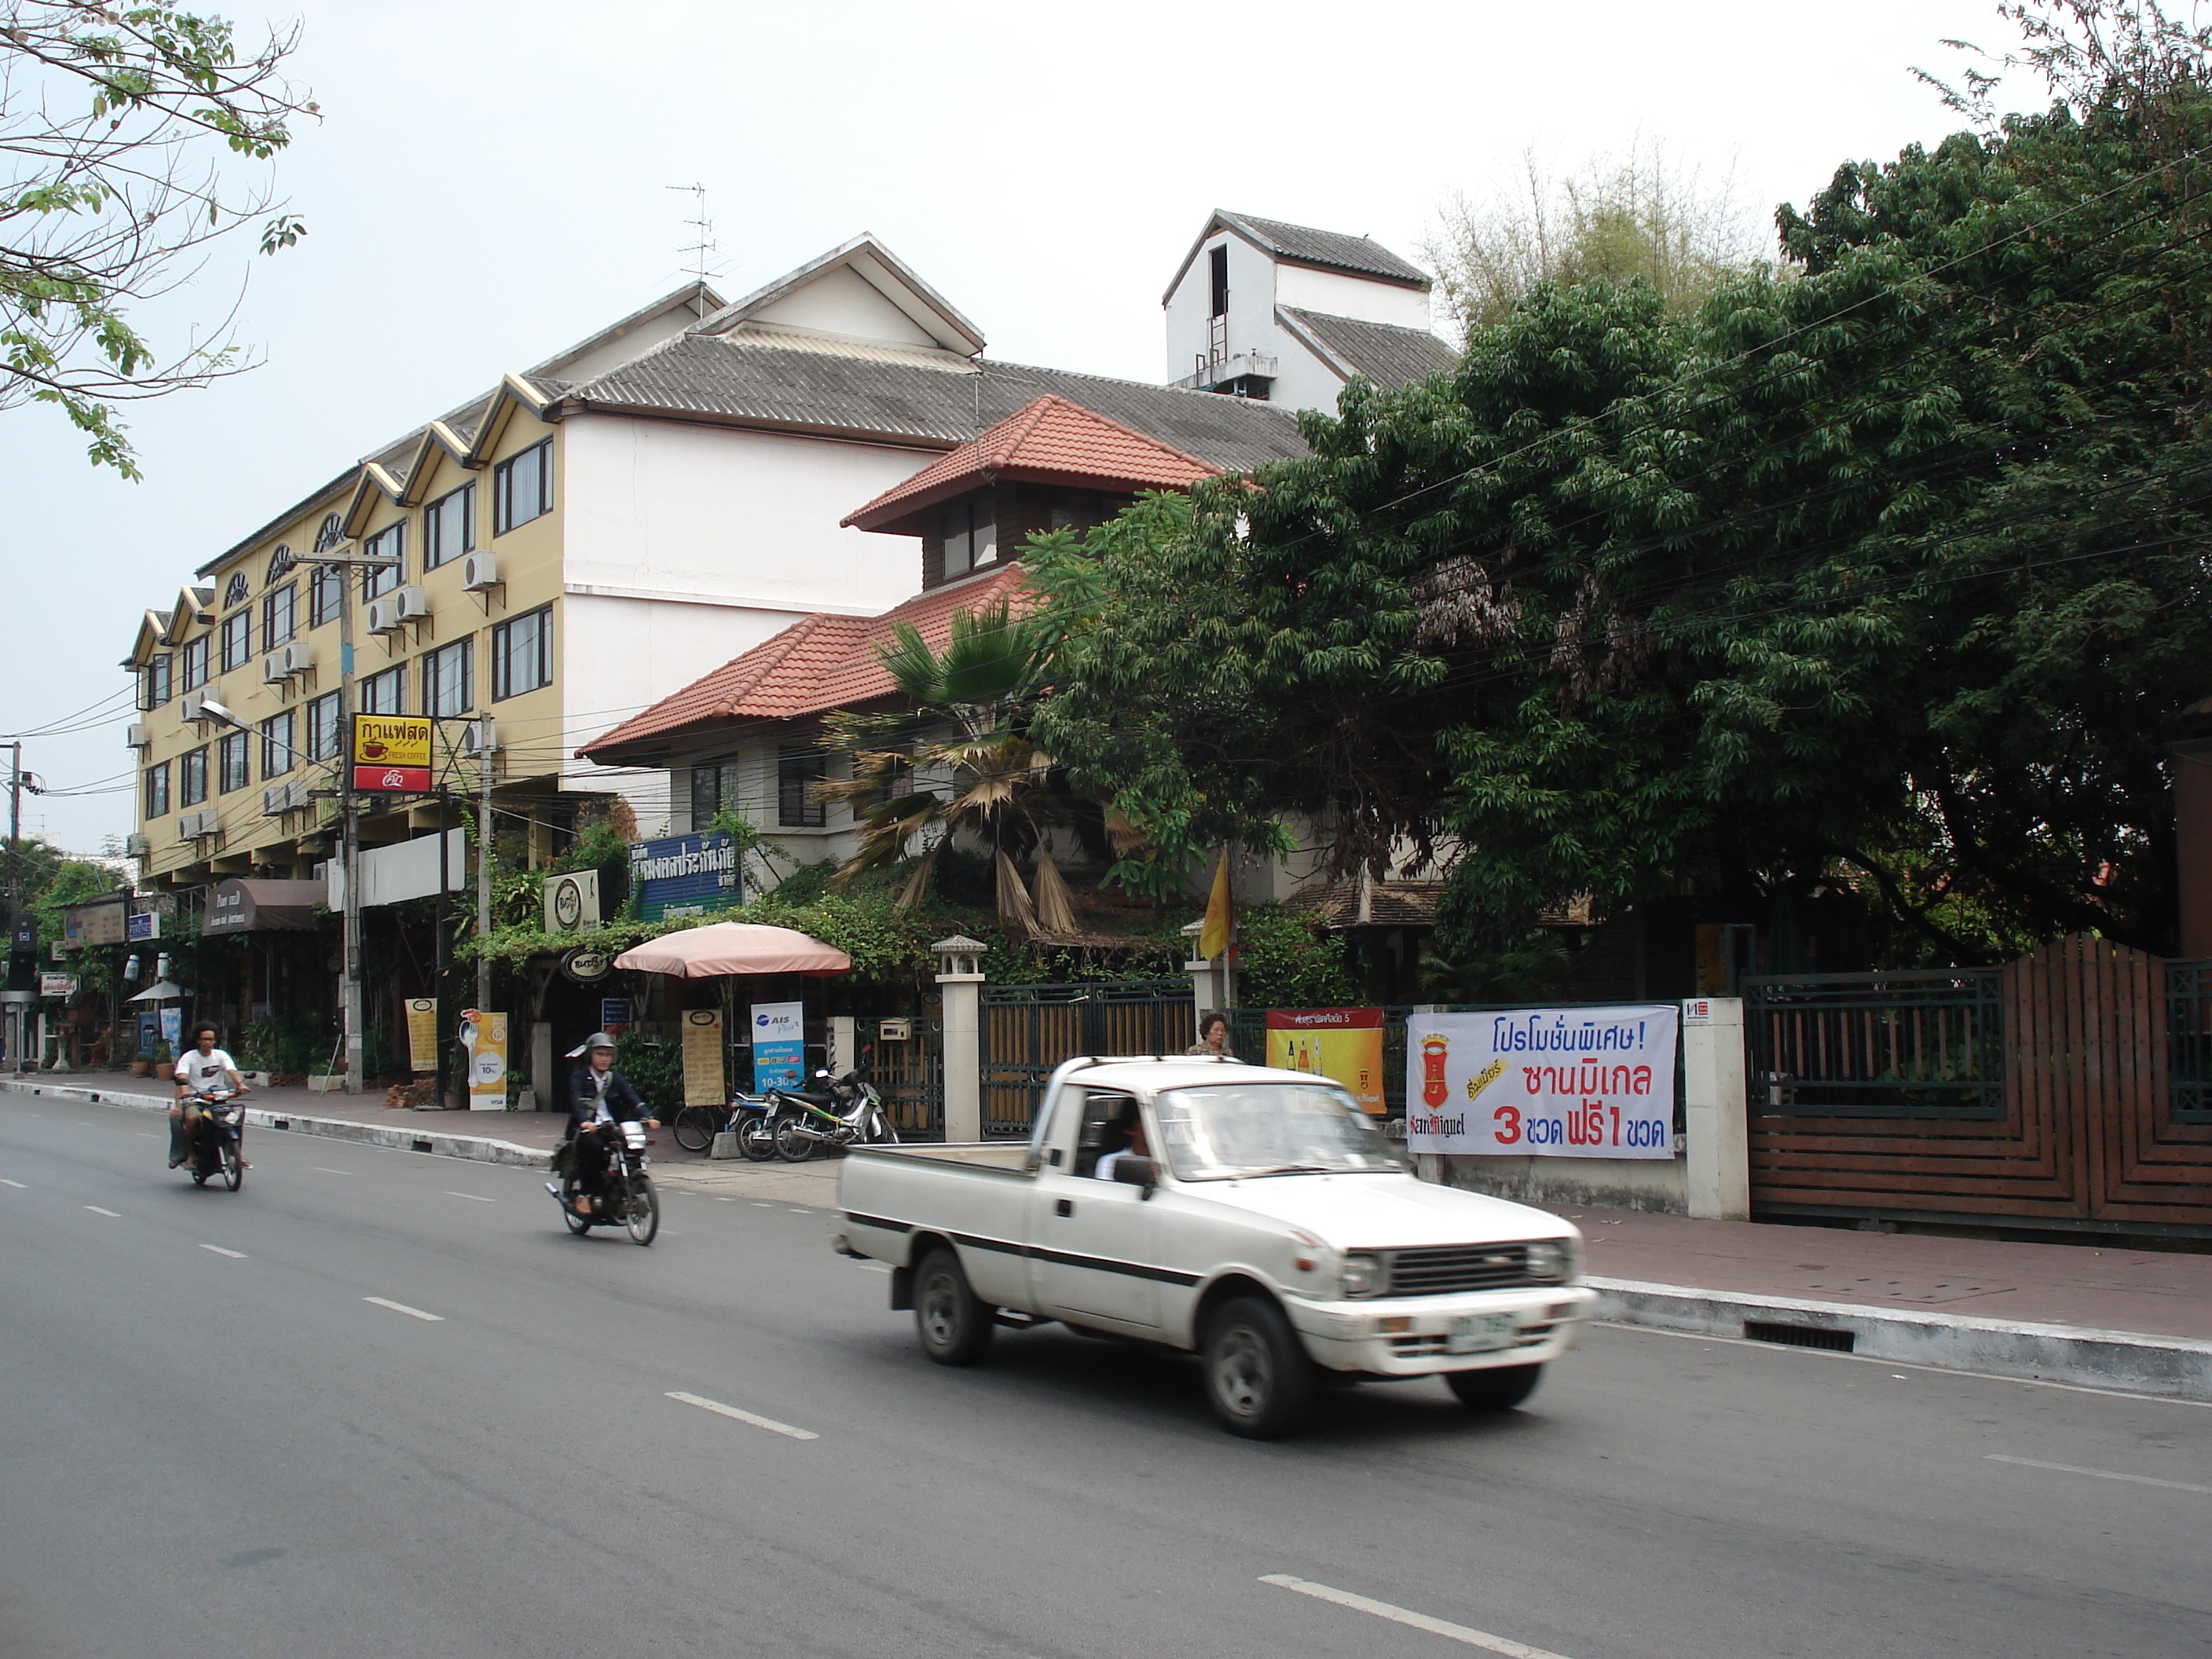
<point x="1473" y="1638"/>
<point x="2100" y="1474"/>
<point x="758" y="1422"/>
<point x="401" y="1307"/>
<point x="235" y="1255"/>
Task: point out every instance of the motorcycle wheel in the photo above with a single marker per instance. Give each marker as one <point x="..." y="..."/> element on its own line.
<point x="233" y="1167"/>
<point x="577" y="1225"/>
<point x="884" y="1135"/>
<point x="793" y="1143"/>
<point x="757" y="1138"/>
<point x="695" y="1127"/>
<point x="642" y="1214"/>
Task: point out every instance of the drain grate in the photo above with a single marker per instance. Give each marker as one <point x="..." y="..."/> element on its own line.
<point x="1799" y="1336"/>
<point x="424" y="1145"/>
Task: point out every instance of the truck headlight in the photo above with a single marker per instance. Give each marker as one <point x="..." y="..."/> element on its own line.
<point x="1357" y="1276"/>
<point x="1551" y="1261"/>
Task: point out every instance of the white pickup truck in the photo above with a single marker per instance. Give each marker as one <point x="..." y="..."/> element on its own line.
<point x="1257" y="1216"/>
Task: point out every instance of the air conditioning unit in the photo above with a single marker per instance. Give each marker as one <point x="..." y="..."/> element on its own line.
<point x="480" y="571"/>
<point x="136" y="845"/>
<point x="136" y="736"/>
<point x="384" y="614"/>
<point x="188" y="707"/>
<point x="478" y="737"/>
<point x="275" y="800"/>
<point x="298" y="658"/>
<point x="195" y="826"/>
<point x="296" y="795"/>
<point x="414" y="606"/>
<point x="273" y="671"/>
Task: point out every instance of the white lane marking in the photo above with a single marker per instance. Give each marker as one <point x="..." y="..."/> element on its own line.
<point x="148" y="1134"/>
<point x="401" y="1307"/>
<point x="1473" y="1638"/>
<point x="17" y="1185"/>
<point x="473" y="1195"/>
<point x="760" y="1204"/>
<point x="235" y="1255"/>
<point x="2100" y="1474"/>
<point x="873" y="1266"/>
<point x="319" y="1170"/>
<point x="719" y="1199"/>
<point x="720" y="1409"/>
<point x="96" y="1210"/>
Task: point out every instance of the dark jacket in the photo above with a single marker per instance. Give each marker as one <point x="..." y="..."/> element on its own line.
<point x="623" y="1102"/>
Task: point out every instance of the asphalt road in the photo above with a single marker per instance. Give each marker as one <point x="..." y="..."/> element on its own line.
<point x="213" y="1441"/>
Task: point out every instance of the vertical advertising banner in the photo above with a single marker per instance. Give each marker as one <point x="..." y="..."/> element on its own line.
<point x="1543" y="1082"/>
<point x="484" y="1035"/>
<point x="702" y="1057"/>
<point x="392" y="752"/>
<point x="422" y="1034"/>
<point x="1342" y="1044"/>
<point x="779" y="1045"/>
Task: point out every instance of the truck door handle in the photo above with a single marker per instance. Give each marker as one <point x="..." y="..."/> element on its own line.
<point x="1065" y="1206"/>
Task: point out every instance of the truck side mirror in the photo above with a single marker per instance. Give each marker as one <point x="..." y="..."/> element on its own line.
<point x="1131" y="1170"/>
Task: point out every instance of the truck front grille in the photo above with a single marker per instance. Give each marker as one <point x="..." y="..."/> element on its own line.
<point x="1449" y="1269"/>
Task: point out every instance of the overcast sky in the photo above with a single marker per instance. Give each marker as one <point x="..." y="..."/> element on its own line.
<point x="488" y="183"/>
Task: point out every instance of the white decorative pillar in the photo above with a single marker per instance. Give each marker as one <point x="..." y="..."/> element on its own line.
<point x="844" y="1046"/>
<point x="1212" y="988"/>
<point x="1715" y="1110"/>
<point x="960" y="959"/>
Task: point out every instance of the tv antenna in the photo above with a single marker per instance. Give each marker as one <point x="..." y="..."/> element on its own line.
<point x="702" y="242"/>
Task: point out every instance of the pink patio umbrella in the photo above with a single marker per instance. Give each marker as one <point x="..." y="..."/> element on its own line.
<point x="735" y="947"/>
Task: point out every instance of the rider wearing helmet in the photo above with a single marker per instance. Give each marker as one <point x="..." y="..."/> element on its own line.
<point x="200" y="1069"/>
<point x="599" y="1098"/>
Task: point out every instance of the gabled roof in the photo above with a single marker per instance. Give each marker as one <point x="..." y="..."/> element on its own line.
<point x="817" y="664"/>
<point x="1303" y="245"/>
<point x="1047" y="440"/>
<point x="1384" y="353"/>
<point x="882" y="270"/>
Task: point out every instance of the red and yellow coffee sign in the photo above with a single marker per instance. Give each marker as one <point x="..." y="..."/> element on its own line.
<point x="392" y="752"/>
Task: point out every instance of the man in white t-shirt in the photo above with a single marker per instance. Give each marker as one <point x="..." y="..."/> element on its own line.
<point x="201" y="1069"/>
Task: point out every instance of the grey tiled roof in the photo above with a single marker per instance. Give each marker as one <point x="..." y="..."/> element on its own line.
<point x="1384" y="353"/>
<point x="1328" y="247"/>
<point x="928" y="398"/>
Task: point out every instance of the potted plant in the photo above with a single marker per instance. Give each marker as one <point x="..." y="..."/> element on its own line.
<point x="141" y="1063"/>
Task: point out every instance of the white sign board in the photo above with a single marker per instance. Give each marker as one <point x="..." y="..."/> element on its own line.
<point x="1543" y="1082"/>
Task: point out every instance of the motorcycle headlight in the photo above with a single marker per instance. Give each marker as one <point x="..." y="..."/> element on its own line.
<point x="1358" y="1274"/>
<point x="1551" y="1261"/>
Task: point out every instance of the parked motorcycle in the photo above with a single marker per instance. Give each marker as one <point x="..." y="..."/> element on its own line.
<point x="627" y="1200"/>
<point x="836" y="1112"/>
<point x="215" y="1150"/>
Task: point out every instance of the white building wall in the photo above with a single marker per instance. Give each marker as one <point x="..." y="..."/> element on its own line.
<point x="841" y="301"/>
<point x="1302" y="379"/>
<point x="1336" y="295"/>
<point x="1251" y="305"/>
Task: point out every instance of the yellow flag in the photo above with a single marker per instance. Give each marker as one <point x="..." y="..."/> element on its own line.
<point x="1220" y="915"/>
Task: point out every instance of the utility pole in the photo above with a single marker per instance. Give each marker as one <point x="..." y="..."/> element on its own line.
<point x="15" y="828"/>
<point x="483" y="860"/>
<point x="348" y="845"/>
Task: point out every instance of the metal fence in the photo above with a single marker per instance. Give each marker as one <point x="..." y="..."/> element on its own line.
<point x="2189" y="1039"/>
<point x="908" y="1072"/>
<point x="1029" y="1030"/>
<point x="1928" y="1044"/>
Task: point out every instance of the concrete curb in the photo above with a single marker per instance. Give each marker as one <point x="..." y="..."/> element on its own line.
<point x="479" y="1149"/>
<point x="2177" y="1367"/>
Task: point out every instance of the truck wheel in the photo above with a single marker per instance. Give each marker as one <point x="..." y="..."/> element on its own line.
<point x="1500" y="1388"/>
<point x="1259" y="1380"/>
<point x="955" y="1326"/>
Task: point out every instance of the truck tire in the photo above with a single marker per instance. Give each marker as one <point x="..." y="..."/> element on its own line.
<point x="954" y="1324"/>
<point x="1500" y="1388"/>
<point x="1259" y="1379"/>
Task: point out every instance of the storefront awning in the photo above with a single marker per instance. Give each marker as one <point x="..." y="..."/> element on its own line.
<point x="239" y="906"/>
<point x="735" y="947"/>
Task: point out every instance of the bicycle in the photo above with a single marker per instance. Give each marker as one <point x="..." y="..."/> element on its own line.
<point x="697" y="1126"/>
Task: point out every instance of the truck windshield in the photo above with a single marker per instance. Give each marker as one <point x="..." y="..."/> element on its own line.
<point x="1225" y="1131"/>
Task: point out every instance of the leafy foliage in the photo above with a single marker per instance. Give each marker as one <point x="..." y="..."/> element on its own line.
<point x="1289" y="960"/>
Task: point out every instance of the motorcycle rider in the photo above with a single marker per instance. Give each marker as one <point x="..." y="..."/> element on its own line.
<point x="200" y="1068"/>
<point x="599" y="1098"/>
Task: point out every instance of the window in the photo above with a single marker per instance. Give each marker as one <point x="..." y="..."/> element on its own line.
<point x="323" y="728"/>
<point x="384" y="692"/>
<point x="154" y="683"/>
<point x="331" y="534"/>
<point x="237" y="639"/>
<point x="449" y="527"/>
<point x="389" y="542"/>
<point x="157" y="791"/>
<point x="797" y="772"/>
<point x="326" y="591"/>
<point x="230" y="767"/>
<point x="970" y="536"/>
<point x="1080" y="511"/>
<point x="279" y="616"/>
<point x="280" y="566"/>
<point x="522" y="487"/>
<point x="278" y="749"/>
<point x="713" y="786"/>
<point x="522" y="654"/>
<point x="1217" y="268"/>
<point x="196" y="662"/>
<point x="191" y="778"/>
<point x="449" y="679"/>
<point x="235" y="592"/>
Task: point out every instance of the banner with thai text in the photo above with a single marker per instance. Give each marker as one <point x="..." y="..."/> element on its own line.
<point x="1543" y="1082"/>
<point x="778" y="1033"/>
<point x="483" y="1035"/>
<point x="1342" y="1044"/>
<point x="703" y="1082"/>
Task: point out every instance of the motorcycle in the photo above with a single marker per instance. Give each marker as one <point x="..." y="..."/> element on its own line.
<point x="838" y="1112"/>
<point x="628" y="1200"/>
<point x="215" y="1143"/>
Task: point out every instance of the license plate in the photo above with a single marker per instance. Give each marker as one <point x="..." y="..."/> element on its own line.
<point x="1480" y="1333"/>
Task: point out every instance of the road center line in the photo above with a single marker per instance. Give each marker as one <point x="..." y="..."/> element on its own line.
<point x="1473" y="1638"/>
<point x="767" y="1423"/>
<point x="319" y="1170"/>
<point x="473" y="1196"/>
<point x="17" y="1185"/>
<point x="96" y="1210"/>
<point x="235" y="1255"/>
<point x="2100" y="1474"/>
<point x="401" y="1307"/>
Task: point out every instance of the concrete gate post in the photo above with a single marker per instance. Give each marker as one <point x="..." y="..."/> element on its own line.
<point x="1211" y="989"/>
<point x="961" y="961"/>
<point x="1715" y="1110"/>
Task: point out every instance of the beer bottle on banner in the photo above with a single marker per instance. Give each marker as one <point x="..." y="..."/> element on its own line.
<point x="1434" y="1090"/>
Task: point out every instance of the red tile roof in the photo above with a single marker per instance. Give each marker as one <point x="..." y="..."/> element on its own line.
<point x="1047" y="440"/>
<point x="817" y="664"/>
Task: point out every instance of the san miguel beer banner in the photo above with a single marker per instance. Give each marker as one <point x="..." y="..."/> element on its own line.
<point x="1543" y="1082"/>
<point x="392" y="752"/>
<point x="1342" y="1044"/>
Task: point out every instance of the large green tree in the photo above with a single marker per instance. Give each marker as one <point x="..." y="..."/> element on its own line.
<point x="1890" y="564"/>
